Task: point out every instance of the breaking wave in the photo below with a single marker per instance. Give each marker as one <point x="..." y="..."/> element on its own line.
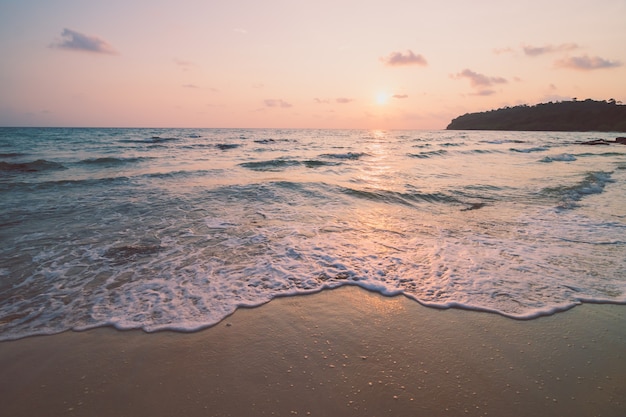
<point x="34" y="166"/>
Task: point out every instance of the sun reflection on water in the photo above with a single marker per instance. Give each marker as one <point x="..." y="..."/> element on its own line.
<point x="376" y="170"/>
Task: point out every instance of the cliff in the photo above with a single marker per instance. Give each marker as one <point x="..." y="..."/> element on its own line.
<point x="565" y="116"/>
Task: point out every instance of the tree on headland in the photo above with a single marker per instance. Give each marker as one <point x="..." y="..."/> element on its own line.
<point x="570" y="116"/>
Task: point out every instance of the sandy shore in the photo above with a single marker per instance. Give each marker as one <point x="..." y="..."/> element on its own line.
<point x="345" y="352"/>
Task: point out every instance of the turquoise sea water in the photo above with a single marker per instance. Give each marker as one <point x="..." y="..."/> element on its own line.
<point x="176" y="228"/>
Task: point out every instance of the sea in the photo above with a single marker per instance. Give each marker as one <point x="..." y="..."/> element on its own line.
<point x="177" y="228"/>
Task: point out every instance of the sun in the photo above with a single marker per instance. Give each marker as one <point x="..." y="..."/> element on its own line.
<point x="382" y="98"/>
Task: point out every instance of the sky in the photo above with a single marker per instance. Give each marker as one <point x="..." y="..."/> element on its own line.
<point x="388" y="64"/>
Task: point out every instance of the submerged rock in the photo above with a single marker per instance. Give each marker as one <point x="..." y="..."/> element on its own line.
<point x="596" y="142"/>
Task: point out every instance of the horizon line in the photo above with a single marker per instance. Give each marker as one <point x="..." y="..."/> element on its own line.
<point x="174" y="127"/>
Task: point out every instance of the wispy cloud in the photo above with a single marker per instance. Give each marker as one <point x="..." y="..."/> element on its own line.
<point x="76" y="41"/>
<point x="184" y="65"/>
<point x="340" y="100"/>
<point x="276" y="103"/>
<point x="400" y="96"/>
<point x="500" y="51"/>
<point x="479" y="80"/>
<point x="396" y="59"/>
<point x="586" y="63"/>
<point x="197" y="87"/>
<point x="241" y="31"/>
<point x="548" y="49"/>
<point x="486" y="92"/>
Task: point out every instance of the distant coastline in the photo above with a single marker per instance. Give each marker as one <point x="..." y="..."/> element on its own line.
<point x="565" y="116"/>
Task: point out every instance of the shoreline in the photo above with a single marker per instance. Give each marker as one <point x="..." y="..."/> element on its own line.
<point x="345" y="351"/>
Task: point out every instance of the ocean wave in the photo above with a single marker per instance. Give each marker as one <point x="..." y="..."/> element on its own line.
<point x="346" y="156"/>
<point x="480" y="151"/>
<point x="159" y="139"/>
<point x="11" y="155"/>
<point x="197" y="146"/>
<point x="530" y="150"/>
<point x="48" y="185"/>
<point x="564" y="157"/>
<point x="270" y="140"/>
<point x="174" y="245"/>
<point x="271" y="165"/>
<point x="483" y="187"/>
<point x="227" y="146"/>
<point x="34" y="166"/>
<point x="182" y="174"/>
<point x="109" y="180"/>
<point x="593" y="183"/>
<point x="394" y="197"/>
<point x="427" y="154"/>
<point x="316" y="163"/>
<point x="501" y="141"/>
<point x="150" y="140"/>
<point x="110" y="161"/>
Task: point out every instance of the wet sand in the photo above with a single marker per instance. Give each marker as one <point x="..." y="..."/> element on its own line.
<point x="345" y="352"/>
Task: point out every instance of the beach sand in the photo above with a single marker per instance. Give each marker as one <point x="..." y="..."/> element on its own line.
<point x="343" y="352"/>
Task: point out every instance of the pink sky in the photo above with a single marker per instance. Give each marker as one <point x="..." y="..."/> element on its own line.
<point x="309" y="64"/>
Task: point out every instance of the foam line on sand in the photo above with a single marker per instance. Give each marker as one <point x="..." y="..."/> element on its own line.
<point x="343" y="352"/>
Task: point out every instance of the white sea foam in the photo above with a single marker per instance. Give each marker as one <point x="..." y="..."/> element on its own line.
<point x="564" y="157"/>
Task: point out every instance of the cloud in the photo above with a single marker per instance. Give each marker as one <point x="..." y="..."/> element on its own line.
<point x="486" y="92"/>
<point x="548" y="49"/>
<point x="586" y="63"/>
<point x="340" y="100"/>
<point x="506" y="50"/>
<point x="400" y="96"/>
<point x="277" y="103"/>
<point x="480" y="80"/>
<point x="184" y="65"/>
<point x="241" y="31"/>
<point x="76" y="41"/>
<point x="197" y="87"/>
<point x="396" y="59"/>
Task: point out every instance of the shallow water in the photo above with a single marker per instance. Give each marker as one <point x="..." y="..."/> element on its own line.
<point x="176" y="228"/>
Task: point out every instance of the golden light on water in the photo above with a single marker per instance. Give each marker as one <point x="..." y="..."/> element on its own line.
<point x="375" y="172"/>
